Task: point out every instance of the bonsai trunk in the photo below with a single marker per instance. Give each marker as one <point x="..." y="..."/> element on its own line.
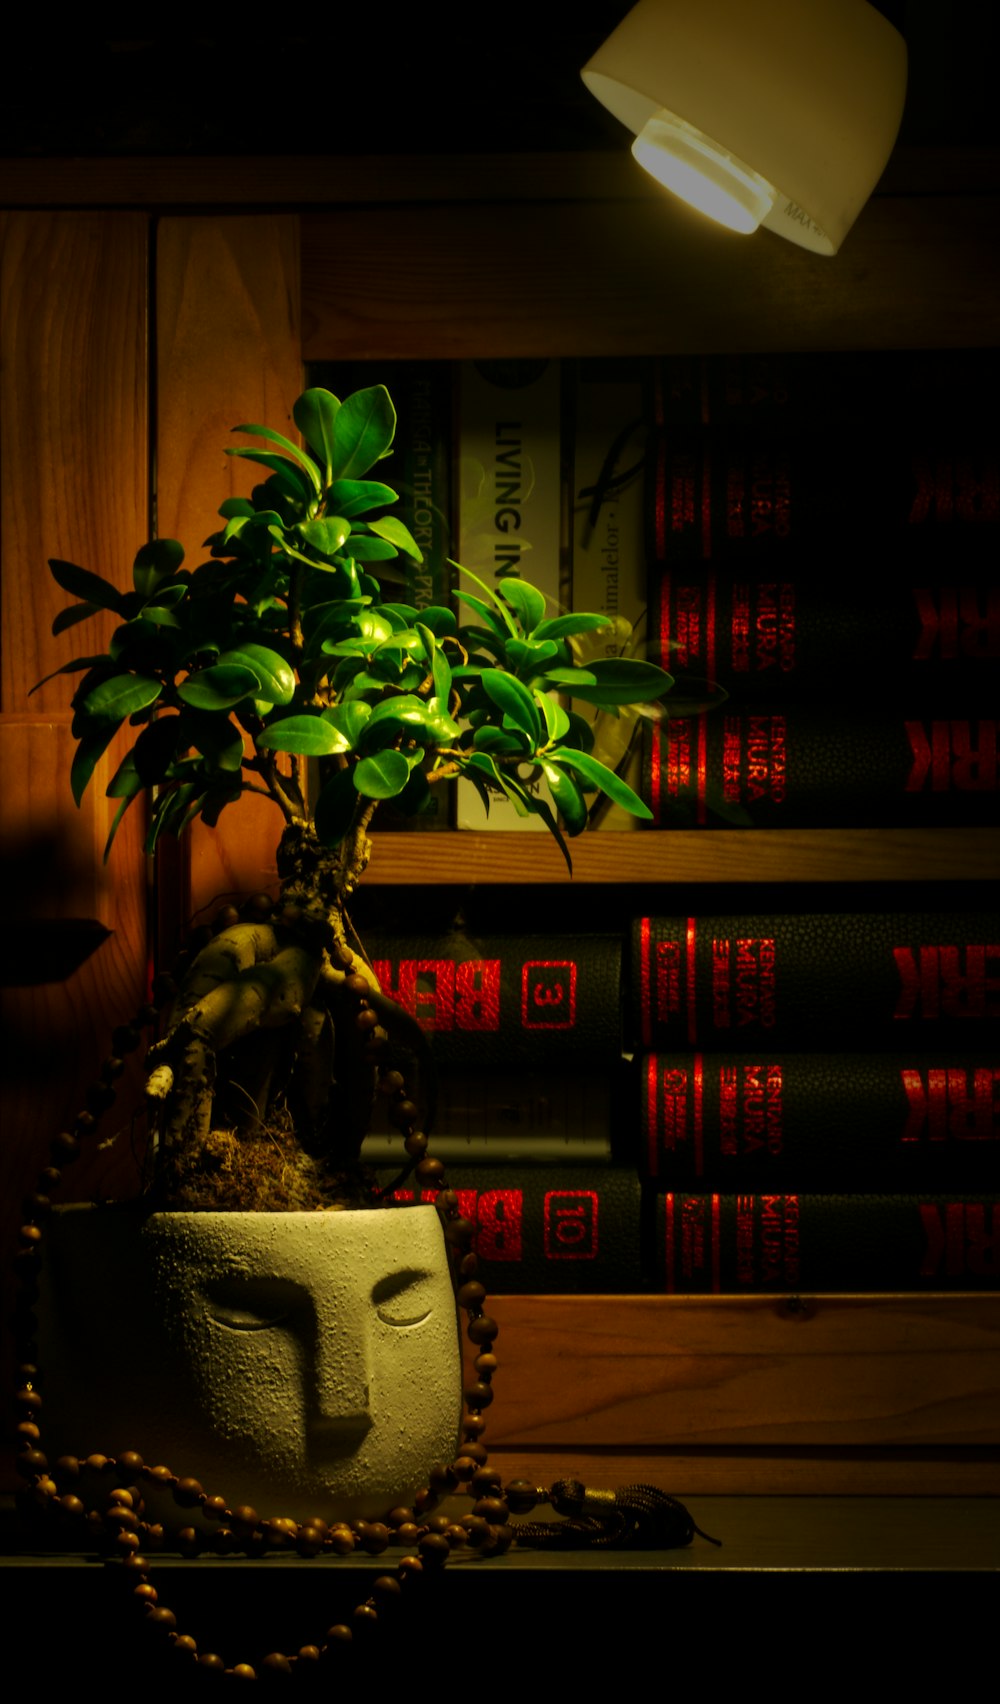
<point x="261" y="1088"/>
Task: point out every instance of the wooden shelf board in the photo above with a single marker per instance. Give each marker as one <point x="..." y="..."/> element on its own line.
<point x="714" y="855"/>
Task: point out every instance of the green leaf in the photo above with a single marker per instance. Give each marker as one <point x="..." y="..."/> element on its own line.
<point x="498" y="740"/>
<point x="557" y="721"/>
<point x="493" y="624"/>
<point x="219" y="687"/>
<point x="541" y="809"/>
<point x="69" y="617"/>
<point x="234" y="506"/>
<point x="155" y="562"/>
<point x="77" y="665"/>
<point x="335" y="808"/>
<point x="441" y="621"/>
<point x="527" y="600"/>
<point x="92" y="745"/>
<point x="349" y="719"/>
<point x="219" y="742"/>
<point x="383" y="775"/>
<point x="598" y="775"/>
<point x="515" y="701"/>
<point x="121" y="696"/>
<point x="498" y="603"/>
<point x="569" y="800"/>
<point x="367" y="549"/>
<point x="115" y="821"/>
<point x="157" y="747"/>
<point x="327" y="535"/>
<point x="352" y="497"/>
<point x="276" y="677"/>
<point x="290" y="449"/>
<point x="530" y="656"/>
<point x="315" y="414"/>
<point x="308" y="736"/>
<point x="126" y="782"/>
<point x="81" y="583"/>
<point x="392" y="528"/>
<point x="614" y="680"/>
<point x="411" y="713"/>
<point x="289" y="477"/>
<point x="562" y="626"/>
<point x="440" y="669"/>
<point x="364" y="428"/>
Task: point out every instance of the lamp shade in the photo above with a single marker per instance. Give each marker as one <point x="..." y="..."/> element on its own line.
<point x="788" y="108"/>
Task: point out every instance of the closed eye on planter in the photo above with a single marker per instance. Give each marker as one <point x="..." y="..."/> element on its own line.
<point x="248" y="1303"/>
<point x="397" y="1298"/>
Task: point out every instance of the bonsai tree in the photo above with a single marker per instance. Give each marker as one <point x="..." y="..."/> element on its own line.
<point x="284" y="665"/>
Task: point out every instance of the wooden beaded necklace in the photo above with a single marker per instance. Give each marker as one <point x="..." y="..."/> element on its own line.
<point x="113" y="1517"/>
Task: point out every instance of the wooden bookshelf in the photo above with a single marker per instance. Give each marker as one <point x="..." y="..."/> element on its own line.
<point x="246" y="268"/>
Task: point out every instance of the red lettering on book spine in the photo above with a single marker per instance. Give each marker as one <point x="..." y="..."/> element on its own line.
<point x="746" y="1242"/>
<point x="956" y="756"/>
<point x="946" y="490"/>
<point x="728" y="1112"/>
<point x="498" y="1220"/>
<point x="949" y="982"/>
<point x="443" y="995"/>
<point x="477" y="994"/>
<point x="548" y="994"/>
<point x="962" y="1239"/>
<point x="668" y="1112"/>
<point x="739" y="629"/>
<point x="698" y="1088"/>
<point x="952" y="622"/>
<point x="944" y="1103"/>
<point x="732" y="759"/>
<point x="668" y="987"/>
<point x="691" y="943"/>
<point x="570" y="1224"/>
<point x="721" y="985"/>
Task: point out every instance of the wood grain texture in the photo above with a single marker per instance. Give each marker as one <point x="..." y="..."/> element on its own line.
<point x="73" y="472"/>
<point x="718" y="855"/>
<point x="73" y="387"/>
<point x="74" y="391"/>
<point x="730" y="1372"/>
<point x="228" y="351"/>
<point x="764" y="1472"/>
<point x="640" y="278"/>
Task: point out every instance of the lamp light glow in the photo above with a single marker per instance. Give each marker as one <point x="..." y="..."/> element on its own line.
<point x="788" y="109"/>
<point x="702" y="174"/>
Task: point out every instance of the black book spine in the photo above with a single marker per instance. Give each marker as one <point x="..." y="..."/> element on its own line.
<point x="809" y="765"/>
<point x="566" y="1230"/>
<point x="737" y="482"/>
<point x="818" y="1121"/>
<point x="810" y="1244"/>
<point x="773" y="633"/>
<point x="511" y="1000"/>
<point x="883" y="981"/>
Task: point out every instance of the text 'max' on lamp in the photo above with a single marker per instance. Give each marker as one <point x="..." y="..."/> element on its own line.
<point x="779" y="113"/>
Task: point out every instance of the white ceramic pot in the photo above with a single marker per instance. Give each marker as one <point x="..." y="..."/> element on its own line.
<point x="303" y="1363"/>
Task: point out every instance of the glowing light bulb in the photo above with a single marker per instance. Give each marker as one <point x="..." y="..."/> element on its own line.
<point x="702" y="173"/>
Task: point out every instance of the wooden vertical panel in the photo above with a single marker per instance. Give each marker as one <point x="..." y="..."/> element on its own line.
<point x="74" y="395"/>
<point x="228" y="351"/>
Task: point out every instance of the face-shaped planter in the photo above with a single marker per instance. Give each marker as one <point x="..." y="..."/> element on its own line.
<point x="304" y="1363"/>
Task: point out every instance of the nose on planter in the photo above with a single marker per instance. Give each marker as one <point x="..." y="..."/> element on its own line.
<point x="307" y="1363"/>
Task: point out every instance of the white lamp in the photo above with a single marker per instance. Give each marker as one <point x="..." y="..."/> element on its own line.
<point x="779" y="113"/>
